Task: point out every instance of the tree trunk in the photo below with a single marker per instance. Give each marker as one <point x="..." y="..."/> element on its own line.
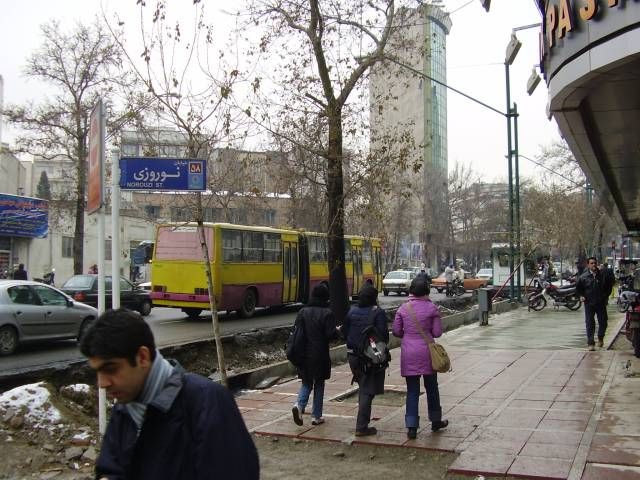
<point x="78" y="234"/>
<point x="212" y="298"/>
<point x="337" y="273"/>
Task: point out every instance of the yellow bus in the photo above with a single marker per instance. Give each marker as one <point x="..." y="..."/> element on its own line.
<point x="251" y="266"/>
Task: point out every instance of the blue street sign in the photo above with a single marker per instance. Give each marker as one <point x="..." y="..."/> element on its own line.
<point x="174" y="174"/>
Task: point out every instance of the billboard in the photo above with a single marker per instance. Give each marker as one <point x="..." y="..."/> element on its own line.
<point x="23" y="216"/>
<point x="95" y="167"/>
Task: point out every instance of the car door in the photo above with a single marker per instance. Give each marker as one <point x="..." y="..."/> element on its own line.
<point x="27" y="311"/>
<point x="59" y="320"/>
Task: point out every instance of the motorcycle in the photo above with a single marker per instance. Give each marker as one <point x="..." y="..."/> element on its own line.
<point x="632" y="321"/>
<point x="625" y="286"/>
<point x="48" y="278"/>
<point x="456" y="288"/>
<point x="564" y="296"/>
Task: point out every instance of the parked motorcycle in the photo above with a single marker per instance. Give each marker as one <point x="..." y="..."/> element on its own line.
<point x="456" y="288"/>
<point x="564" y="296"/>
<point x="48" y="278"/>
<point x="632" y="321"/>
<point x="625" y="287"/>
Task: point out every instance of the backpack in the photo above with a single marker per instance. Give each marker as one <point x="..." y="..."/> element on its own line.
<point x="374" y="351"/>
<point x="296" y="344"/>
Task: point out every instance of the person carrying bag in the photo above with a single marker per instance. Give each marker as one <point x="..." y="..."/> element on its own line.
<point x="414" y="320"/>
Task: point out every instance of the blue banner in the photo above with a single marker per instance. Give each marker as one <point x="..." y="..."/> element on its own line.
<point x="172" y="174"/>
<point x="23" y="216"/>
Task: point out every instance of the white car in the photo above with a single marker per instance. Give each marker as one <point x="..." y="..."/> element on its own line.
<point x="397" y="281"/>
<point x="485" y="274"/>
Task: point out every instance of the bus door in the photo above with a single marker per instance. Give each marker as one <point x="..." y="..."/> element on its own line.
<point x="376" y="258"/>
<point x="290" y="272"/>
<point x="356" y="255"/>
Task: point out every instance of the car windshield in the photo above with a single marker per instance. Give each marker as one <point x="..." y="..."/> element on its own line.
<point x="484" y="271"/>
<point x="79" y="281"/>
<point x="396" y="275"/>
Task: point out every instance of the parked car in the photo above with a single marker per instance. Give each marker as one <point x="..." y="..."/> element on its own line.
<point x="84" y="288"/>
<point x="486" y="274"/>
<point x="440" y="284"/>
<point x="397" y="281"/>
<point x="32" y="311"/>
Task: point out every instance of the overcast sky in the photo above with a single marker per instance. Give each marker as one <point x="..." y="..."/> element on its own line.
<point x="476" y="48"/>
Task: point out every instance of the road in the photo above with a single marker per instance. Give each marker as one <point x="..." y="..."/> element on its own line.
<point x="170" y="327"/>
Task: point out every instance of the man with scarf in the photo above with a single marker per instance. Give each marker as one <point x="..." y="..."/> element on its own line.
<point x="166" y="424"/>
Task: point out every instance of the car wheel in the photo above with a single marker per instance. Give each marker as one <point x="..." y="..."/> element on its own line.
<point x="385" y="292"/>
<point x="192" y="313"/>
<point x="573" y="302"/>
<point x="145" y="308"/>
<point x="249" y="304"/>
<point x="8" y="340"/>
<point x="86" y="323"/>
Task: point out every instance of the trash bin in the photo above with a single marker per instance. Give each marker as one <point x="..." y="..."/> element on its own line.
<point x="484" y="305"/>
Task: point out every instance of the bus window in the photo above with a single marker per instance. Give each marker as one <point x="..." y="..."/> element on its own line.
<point x="366" y="251"/>
<point x="347" y="251"/>
<point x="294" y="261"/>
<point x="272" y="248"/>
<point x="252" y="246"/>
<point x="231" y="246"/>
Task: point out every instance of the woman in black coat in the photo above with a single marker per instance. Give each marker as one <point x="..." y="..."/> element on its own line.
<point x="319" y="326"/>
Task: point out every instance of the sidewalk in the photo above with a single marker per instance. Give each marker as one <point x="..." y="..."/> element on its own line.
<point x="559" y="412"/>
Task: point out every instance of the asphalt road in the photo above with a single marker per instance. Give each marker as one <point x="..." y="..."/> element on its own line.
<point x="170" y="327"/>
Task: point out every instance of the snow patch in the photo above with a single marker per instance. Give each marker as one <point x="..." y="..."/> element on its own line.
<point x="33" y="401"/>
<point x="79" y="388"/>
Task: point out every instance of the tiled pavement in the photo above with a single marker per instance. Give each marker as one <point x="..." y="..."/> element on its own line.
<point x="562" y="414"/>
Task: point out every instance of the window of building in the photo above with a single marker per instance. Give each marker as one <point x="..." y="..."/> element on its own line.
<point x="130" y="150"/>
<point x="238" y="215"/>
<point x="180" y="214"/>
<point x="152" y="211"/>
<point x="107" y="249"/>
<point x="67" y="247"/>
<point x="269" y="217"/>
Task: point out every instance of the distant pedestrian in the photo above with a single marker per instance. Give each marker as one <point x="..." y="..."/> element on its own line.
<point x="417" y="314"/>
<point x="594" y="290"/>
<point x="93" y="269"/>
<point x="20" y="273"/>
<point x="449" y="276"/>
<point x="371" y="382"/>
<point x="167" y="424"/>
<point x="319" y="326"/>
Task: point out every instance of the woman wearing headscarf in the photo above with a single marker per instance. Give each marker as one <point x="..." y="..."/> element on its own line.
<point x="371" y="383"/>
<point x="415" y="361"/>
<point x="319" y="326"/>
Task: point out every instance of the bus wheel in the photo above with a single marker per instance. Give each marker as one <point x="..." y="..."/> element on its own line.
<point x="192" y="313"/>
<point x="249" y="304"/>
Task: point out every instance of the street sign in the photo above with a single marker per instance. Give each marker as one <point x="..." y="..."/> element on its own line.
<point x="172" y="174"/>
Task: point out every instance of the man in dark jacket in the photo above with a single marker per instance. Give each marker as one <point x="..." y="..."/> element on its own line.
<point x="319" y="326"/>
<point x="166" y="424"/>
<point x="371" y="383"/>
<point x="20" y="273"/>
<point x="593" y="288"/>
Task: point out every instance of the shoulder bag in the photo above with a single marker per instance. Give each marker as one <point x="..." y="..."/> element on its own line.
<point x="440" y="360"/>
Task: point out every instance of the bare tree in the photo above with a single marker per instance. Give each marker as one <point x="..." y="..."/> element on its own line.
<point x="322" y="51"/>
<point x="80" y="66"/>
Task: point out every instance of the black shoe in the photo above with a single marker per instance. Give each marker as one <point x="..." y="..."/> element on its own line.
<point x="297" y="419"/>
<point x="366" y="432"/>
<point x="412" y="432"/>
<point x="435" y="426"/>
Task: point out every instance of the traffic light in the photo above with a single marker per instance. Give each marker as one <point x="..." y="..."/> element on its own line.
<point x="486" y="4"/>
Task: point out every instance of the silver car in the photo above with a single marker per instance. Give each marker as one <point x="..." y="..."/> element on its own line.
<point x="33" y="311"/>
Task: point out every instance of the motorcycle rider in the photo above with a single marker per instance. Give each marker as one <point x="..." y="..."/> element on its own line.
<point x="449" y="275"/>
<point x="594" y="289"/>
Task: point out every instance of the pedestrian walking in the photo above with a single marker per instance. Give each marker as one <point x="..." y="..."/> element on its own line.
<point x="319" y="326"/>
<point x="449" y="276"/>
<point x="370" y="381"/>
<point x="20" y="273"/>
<point x="419" y="313"/>
<point x="594" y="291"/>
<point x="166" y="424"/>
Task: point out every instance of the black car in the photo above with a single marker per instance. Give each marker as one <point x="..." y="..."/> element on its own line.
<point x="84" y="288"/>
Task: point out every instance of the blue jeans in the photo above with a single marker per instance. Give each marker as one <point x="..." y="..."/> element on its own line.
<point x="434" y="410"/>
<point x="318" y="397"/>
<point x="590" y="312"/>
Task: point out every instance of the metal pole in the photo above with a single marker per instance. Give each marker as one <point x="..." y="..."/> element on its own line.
<point x="510" y="160"/>
<point x="517" y="196"/>
<point x="115" y="230"/>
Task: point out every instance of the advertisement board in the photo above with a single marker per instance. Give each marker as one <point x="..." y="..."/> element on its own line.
<point x="95" y="167"/>
<point x="23" y="216"/>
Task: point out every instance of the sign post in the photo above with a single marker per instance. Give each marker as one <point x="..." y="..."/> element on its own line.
<point x="95" y="201"/>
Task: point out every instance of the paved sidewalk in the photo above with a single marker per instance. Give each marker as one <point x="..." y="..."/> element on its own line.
<point x="560" y="413"/>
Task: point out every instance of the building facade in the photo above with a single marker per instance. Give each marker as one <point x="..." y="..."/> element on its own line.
<point x="406" y="103"/>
